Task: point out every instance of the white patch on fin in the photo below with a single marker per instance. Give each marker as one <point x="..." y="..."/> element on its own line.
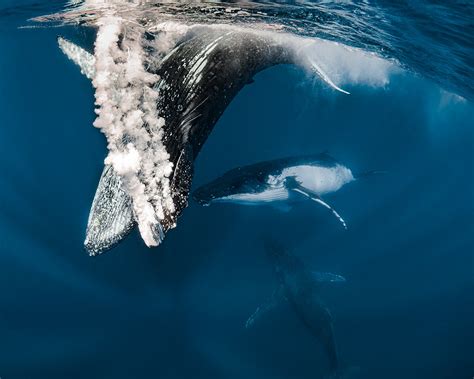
<point x="325" y="77"/>
<point x="79" y="56"/>
<point x="326" y="205"/>
<point x="268" y="196"/>
<point x="317" y="179"/>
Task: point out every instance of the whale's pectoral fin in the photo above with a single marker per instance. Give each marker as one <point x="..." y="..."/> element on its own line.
<point x="84" y="59"/>
<point x="324" y="204"/>
<point x="292" y="184"/>
<point x="270" y="304"/>
<point x="327" y="277"/>
<point x="111" y="216"/>
<point x="320" y="72"/>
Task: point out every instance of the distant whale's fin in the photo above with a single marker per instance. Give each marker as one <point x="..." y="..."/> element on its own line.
<point x="327" y="277"/>
<point x="325" y="77"/>
<point x="270" y="304"/>
<point x="111" y="215"/>
<point x="292" y="184"/>
<point x="84" y="59"/>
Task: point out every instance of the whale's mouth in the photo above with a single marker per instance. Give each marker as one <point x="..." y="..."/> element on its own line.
<point x="204" y="203"/>
<point x="202" y="198"/>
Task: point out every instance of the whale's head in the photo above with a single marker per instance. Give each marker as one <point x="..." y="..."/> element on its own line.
<point x="239" y="185"/>
<point x="203" y="196"/>
<point x="217" y="190"/>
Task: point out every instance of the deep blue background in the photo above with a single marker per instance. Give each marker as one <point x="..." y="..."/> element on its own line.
<point x="178" y="311"/>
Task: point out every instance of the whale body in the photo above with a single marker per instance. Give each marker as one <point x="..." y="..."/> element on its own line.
<point x="301" y="289"/>
<point x="279" y="182"/>
<point x="198" y="79"/>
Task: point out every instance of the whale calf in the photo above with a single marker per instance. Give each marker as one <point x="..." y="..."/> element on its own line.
<point x="279" y="182"/>
<point x="157" y="112"/>
<point x="301" y="289"/>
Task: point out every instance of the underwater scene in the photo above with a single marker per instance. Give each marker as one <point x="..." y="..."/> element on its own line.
<point x="237" y="190"/>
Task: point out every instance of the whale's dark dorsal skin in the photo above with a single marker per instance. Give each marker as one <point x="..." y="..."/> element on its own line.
<point x="196" y="89"/>
<point x="198" y="80"/>
<point x="301" y="288"/>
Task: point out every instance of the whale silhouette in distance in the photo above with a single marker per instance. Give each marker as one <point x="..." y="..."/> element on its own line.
<point x="301" y="289"/>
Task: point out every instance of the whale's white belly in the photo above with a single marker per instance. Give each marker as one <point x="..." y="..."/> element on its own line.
<point x="269" y="195"/>
<point x="320" y="180"/>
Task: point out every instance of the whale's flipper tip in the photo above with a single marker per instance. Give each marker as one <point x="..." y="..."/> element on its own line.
<point x="319" y="71"/>
<point x="81" y="57"/>
<point x="160" y="233"/>
<point x="292" y="184"/>
<point x="111" y="215"/>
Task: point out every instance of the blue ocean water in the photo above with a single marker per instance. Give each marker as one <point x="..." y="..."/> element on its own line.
<point x="178" y="311"/>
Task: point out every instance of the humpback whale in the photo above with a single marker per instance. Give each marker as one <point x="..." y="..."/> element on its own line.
<point x="279" y="182"/>
<point x="157" y="111"/>
<point x="301" y="288"/>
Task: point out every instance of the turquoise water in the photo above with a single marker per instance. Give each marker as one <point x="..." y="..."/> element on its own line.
<point x="178" y="311"/>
